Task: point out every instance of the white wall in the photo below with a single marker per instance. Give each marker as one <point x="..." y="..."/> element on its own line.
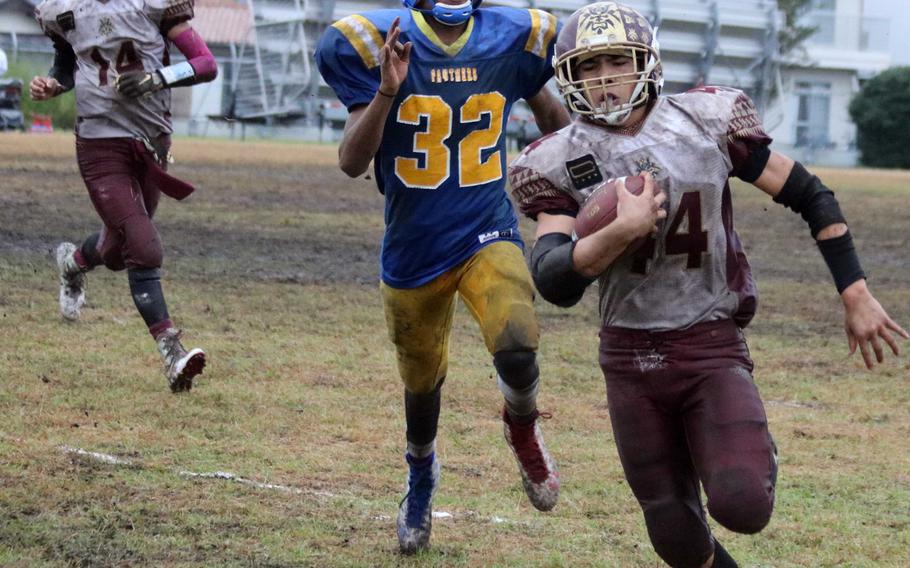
<point x="17" y="22"/>
<point x="841" y="131"/>
<point x="898" y="13"/>
<point x="841" y="63"/>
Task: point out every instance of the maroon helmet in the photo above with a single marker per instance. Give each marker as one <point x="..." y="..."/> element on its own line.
<point x="600" y="29"/>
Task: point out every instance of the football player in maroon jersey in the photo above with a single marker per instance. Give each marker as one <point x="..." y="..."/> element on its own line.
<point x="684" y="408"/>
<point x="115" y="55"/>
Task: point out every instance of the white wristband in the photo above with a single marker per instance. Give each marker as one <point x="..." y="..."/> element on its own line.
<point x="177" y="72"/>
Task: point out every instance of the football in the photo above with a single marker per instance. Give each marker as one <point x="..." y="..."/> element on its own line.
<point x="599" y="210"/>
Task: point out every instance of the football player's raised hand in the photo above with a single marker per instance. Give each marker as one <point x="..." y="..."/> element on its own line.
<point x="394" y="59"/>
<point x="43" y="88"/>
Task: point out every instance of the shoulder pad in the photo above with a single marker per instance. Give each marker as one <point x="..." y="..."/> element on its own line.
<point x="728" y="110"/>
<point x="544" y="153"/>
<point x="174" y="11"/>
<point x="52" y="16"/>
<point x="709" y="103"/>
<point x="169" y="5"/>
<point x="513" y="29"/>
<point x="541" y="32"/>
<point x="366" y="33"/>
<point x="541" y="171"/>
<point x="708" y="91"/>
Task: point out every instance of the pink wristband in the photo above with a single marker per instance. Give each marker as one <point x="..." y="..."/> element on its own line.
<point x="193" y="47"/>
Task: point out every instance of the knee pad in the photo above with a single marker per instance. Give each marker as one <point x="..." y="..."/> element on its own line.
<point x="149" y="256"/>
<point x="141" y="243"/>
<point x="113" y="260"/>
<point x="740" y="500"/>
<point x="679" y="534"/>
<point x="518" y="369"/>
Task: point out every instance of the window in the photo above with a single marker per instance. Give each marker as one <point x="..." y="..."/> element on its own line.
<point x="813" y="111"/>
<point x="819" y="14"/>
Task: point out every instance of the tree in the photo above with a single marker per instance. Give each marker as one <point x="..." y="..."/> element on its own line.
<point x="61" y="109"/>
<point x="881" y="111"/>
<point x="791" y="35"/>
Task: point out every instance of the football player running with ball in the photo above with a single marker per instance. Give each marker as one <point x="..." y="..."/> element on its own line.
<point x="683" y="405"/>
<point x="429" y="89"/>
<point x="115" y="55"/>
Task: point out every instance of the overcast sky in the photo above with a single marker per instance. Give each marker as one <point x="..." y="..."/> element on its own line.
<point x="898" y="12"/>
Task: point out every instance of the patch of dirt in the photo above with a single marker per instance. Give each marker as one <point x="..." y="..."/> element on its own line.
<point x="45" y="202"/>
<point x="38" y="210"/>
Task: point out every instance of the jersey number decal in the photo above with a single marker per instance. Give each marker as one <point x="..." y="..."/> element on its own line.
<point x="127" y="60"/>
<point x="472" y="168"/>
<point x="692" y="243"/>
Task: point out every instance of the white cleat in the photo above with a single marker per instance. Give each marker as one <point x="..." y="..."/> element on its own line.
<point x="180" y="365"/>
<point x="72" y="282"/>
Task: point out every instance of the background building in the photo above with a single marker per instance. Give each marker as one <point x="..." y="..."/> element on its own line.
<point x="810" y="121"/>
<point x="269" y="86"/>
<point x="224" y="24"/>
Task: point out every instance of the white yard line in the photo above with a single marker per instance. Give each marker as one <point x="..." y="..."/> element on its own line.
<point x="228" y="476"/>
<point x="104" y="458"/>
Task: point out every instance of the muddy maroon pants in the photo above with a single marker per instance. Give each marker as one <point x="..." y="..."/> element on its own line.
<point x="685" y="410"/>
<point x="113" y="172"/>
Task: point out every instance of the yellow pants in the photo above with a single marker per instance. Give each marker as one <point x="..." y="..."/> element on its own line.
<point x="496" y="287"/>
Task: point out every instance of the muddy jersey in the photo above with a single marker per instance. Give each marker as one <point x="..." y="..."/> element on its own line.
<point x="694" y="269"/>
<point x="110" y="38"/>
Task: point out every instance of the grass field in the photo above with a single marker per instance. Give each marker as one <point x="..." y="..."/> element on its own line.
<point x="272" y="268"/>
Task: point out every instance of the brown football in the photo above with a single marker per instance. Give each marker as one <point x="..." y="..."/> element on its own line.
<point x="599" y="210"/>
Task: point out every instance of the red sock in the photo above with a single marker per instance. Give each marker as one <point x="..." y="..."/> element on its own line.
<point x="157" y="329"/>
<point x="80" y="260"/>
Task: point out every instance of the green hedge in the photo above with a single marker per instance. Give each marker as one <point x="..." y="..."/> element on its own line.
<point x="881" y="111"/>
<point x="62" y="109"/>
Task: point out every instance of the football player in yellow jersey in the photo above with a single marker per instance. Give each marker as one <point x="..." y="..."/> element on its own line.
<point x="429" y="89"/>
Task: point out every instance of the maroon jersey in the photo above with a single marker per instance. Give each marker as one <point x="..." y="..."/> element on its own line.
<point x="694" y="270"/>
<point x="110" y="38"/>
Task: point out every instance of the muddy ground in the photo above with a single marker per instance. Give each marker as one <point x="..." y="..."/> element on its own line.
<point x="286" y="213"/>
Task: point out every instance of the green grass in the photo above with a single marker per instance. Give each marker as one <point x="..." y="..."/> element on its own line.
<point x="271" y="268"/>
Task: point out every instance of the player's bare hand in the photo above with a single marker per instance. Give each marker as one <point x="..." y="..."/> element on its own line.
<point x="641" y="212"/>
<point x="394" y="59"/>
<point x="44" y="88"/>
<point x="868" y="325"/>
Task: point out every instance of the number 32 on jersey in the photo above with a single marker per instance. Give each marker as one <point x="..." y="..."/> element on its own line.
<point x="472" y="169"/>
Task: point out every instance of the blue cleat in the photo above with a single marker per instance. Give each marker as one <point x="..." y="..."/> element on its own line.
<point x="415" y="513"/>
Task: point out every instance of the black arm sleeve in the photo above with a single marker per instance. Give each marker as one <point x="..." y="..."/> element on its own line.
<point x="64" y="67"/>
<point x="842" y="260"/>
<point x="805" y="194"/>
<point x="553" y="271"/>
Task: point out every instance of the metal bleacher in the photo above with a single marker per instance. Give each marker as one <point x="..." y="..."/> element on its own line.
<point x="720" y="42"/>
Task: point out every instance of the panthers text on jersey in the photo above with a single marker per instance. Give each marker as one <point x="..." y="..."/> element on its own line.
<point x="110" y="38"/>
<point x="441" y="163"/>
<point x="694" y="269"/>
